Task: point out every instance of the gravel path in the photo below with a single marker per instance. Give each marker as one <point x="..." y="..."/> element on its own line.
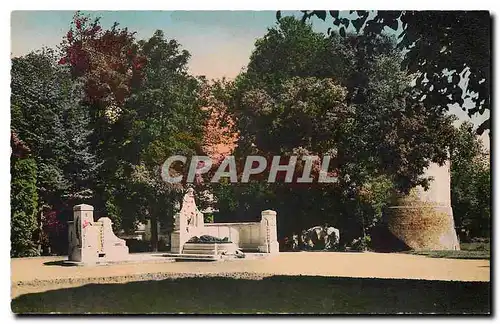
<point x="46" y="273"/>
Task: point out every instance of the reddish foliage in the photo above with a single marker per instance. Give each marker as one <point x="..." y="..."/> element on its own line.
<point x="219" y="138"/>
<point x="19" y="148"/>
<point x="108" y="60"/>
<point x="51" y="224"/>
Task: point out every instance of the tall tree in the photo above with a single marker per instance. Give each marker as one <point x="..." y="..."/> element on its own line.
<point x="23" y="199"/>
<point x="108" y="64"/>
<point x="470" y="183"/>
<point x="166" y="119"/>
<point x="47" y="115"/>
<point x="346" y="98"/>
<point x="376" y="123"/>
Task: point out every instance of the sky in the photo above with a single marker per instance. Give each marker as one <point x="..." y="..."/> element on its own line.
<point x="220" y="42"/>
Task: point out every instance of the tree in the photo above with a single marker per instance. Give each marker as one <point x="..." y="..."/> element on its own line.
<point x="166" y="119"/>
<point x="109" y="66"/>
<point x="362" y="111"/>
<point x="23" y="199"/>
<point x="143" y="106"/>
<point x="100" y="120"/>
<point x="470" y="183"/>
<point x="107" y="59"/>
<point x="443" y="48"/>
<point x="47" y="115"/>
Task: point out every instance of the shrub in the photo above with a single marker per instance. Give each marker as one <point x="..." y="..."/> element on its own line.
<point x="137" y="246"/>
<point x="209" y="218"/>
<point x="362" y="243"/>
<point x="24" y="204"/>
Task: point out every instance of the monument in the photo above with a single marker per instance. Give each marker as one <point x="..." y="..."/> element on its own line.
<point x="423" y="220"/>
<point x="192" y="236"/>
<point x="187" y="223"/>
<point x="93" y="242"/>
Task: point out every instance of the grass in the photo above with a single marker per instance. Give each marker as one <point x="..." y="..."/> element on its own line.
<point x="474" y="250"/>
<point x="276" y="294"/>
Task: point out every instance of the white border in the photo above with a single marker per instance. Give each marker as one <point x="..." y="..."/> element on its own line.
<point x="183" y="5"/>
<point x="249" y="5"/>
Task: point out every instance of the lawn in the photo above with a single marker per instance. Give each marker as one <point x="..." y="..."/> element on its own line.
<point x="474" y="250"/>
<point x="275" y="294"/>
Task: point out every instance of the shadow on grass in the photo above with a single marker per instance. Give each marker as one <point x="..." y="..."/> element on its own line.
<point x="276" y="294"/>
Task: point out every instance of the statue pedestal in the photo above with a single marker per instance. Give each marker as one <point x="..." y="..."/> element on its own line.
<point x="175" y="242"/>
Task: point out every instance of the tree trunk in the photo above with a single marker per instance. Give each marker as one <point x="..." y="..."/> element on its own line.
<point x="154" y="232"/>
<point x="365" y="248"/>
<point x="39" y="231"/>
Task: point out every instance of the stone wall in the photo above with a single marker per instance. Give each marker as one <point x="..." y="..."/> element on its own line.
<point x="245" y="235"/>
<point x="423" y="227"/>
<point x="92" y="242"/>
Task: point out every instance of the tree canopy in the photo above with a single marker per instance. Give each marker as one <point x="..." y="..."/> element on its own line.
<point x="470" y="183"/>
<point x="306" y="93"/>
<point x="449" y="51"/>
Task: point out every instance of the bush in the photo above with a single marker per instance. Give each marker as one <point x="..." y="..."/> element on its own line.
<point x="24" y="204"/>
<point x="54" y="238"/>
<point x="475" y="246"/>
<point x="209" y="218"/>
<point x="138" y="246"/>
<point x="361" y="244"/>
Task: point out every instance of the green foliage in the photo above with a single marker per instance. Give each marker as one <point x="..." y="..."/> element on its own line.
<point x="441" y="49"/>
<point x="47" y="116"/>
<point x="61" y="108"/>
<point x="309" y="94"/>
<point x="470" y="183"/>
<point x="24" y="205"/>
<point x="361" y="244"/>
<point x="209" y="218"/>
<point x="164" y="118"/>
<point x="373" y="124"/>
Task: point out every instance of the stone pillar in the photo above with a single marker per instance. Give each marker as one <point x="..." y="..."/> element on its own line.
<point x="175" y="236"/>
<point x="268" y="232"/>
<point x="83" y="237"/>
<point x="423" y="220"/>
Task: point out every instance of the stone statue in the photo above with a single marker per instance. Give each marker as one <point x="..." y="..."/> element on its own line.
<point x="326" y="236"/>
<point x="191" y="219"/>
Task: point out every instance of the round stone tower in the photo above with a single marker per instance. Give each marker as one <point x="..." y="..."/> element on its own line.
<point x="423" y="220"/>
